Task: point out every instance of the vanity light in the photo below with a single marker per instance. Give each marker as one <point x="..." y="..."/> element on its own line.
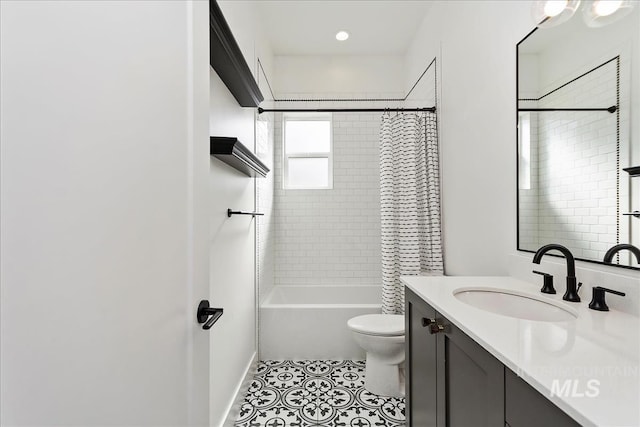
<point x="342" y="36"/>
<point x="549" y="13"/>
<point x="598" y="13"/>
<point x="606" y="8"/>
<point x="554" y="7"/>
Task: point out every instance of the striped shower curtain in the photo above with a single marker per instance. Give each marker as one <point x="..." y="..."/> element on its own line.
<point x="410" y="202"/>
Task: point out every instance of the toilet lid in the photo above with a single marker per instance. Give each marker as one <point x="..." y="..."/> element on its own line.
<point x="378" y="324"/>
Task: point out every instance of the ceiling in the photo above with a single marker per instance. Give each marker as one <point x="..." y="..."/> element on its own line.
<point x="308" y="27"/>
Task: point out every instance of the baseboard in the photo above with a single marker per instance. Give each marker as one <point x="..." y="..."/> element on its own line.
<point x="234" y="409"/>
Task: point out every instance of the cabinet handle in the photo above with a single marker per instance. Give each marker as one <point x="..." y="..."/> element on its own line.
<point x="426" y="321"/>
<point x="436" y="328"/>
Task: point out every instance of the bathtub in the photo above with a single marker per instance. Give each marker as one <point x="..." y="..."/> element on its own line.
<point x="310" y="322"/>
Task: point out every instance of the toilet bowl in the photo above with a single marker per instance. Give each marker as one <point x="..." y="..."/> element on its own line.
<point x="382" y="338"/>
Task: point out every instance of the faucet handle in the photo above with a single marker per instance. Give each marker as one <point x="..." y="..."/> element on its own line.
<point x="597" y="301"/>
<point x="547" y="287"/>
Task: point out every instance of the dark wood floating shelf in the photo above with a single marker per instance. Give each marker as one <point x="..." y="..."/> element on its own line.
<point x="633" y="170"/>
<point x="227" y="60"/>
<point x="232" y="152"/>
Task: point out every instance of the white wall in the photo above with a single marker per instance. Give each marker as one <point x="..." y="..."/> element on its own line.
<point x="233" y="338"/>
<point x="103" y="243"/>
<point x="327" y="76"/>
<point x="232" y="240"/>
<point x="475" y="47"/>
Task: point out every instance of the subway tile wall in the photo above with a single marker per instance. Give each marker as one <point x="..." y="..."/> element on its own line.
<point x="265" y="225"/>
<point x="332" y="236"/>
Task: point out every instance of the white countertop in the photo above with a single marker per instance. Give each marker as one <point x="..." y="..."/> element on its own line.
<point x="599" y="351"/>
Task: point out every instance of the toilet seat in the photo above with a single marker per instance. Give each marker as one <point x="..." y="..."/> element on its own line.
<point x="378" y="324"/>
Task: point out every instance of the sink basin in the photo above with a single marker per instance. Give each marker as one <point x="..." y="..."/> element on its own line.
<point x="512" y="303"/>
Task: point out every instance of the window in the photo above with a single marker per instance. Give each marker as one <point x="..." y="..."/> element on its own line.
<point x="524" y="140"/>
<point x="308" y="159"/>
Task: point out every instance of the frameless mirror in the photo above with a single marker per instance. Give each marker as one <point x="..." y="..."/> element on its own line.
<point x="578" y="130"/>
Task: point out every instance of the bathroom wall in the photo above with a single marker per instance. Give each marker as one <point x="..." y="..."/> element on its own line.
<point x="333" y="236"/>
<point x="265" y="203"/>
<point x="326" y="76"/>
<point x="475" y="43"/>
<point x="233" y="281"/>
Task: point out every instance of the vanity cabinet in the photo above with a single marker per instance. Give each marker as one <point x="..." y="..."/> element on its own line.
<point x="525" y="407"/>
<point x="470" y="380"/>
<point x="420" y="364"/>
<point x="452" y="381"/>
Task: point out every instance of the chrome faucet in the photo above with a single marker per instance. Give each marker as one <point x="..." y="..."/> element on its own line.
<point x="572" y="289"/>
<point x="608" y="257"/>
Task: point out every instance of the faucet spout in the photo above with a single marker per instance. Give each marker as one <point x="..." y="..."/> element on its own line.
<point x="608" y="257"/>
<point x="571" y="262"/>
<point x="572" y="286"/>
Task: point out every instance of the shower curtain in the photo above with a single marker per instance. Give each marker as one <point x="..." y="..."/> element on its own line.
<point x="410" y="202"/>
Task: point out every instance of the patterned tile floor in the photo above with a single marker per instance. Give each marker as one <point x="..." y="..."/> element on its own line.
<point x="327" y="393"/>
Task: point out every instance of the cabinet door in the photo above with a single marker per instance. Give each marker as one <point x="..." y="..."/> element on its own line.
<point x="470" y="383"/>
<point x="525" y="407"/>
<point x="420" y="363"/>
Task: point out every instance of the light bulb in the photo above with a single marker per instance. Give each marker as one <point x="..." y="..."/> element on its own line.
<point x="342" y="36"/>
<point x="604" y="12"/>
<point x="606" y="8"/>
<point x="549" y="13"/>
<point x="554" y="7"/>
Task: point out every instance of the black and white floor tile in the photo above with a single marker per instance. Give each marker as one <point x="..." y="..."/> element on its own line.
<point x="327" y="393"/>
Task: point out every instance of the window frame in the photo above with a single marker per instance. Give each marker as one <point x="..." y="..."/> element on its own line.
<point x="524" y="151"/>
<point x="306" y="117"/>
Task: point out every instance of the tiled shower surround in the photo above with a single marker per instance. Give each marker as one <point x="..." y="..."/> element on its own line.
<point x="265" y="226"/>
<point x="333" y="236"/>
<point x="328" y="393"/>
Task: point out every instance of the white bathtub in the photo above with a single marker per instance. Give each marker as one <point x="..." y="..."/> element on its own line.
<point x="310" y="322"/>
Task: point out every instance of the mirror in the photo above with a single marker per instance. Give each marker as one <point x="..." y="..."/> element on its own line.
<point x="578" y="129"/>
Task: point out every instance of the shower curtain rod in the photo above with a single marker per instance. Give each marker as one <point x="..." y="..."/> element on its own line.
<point x="341" y="110"/>
<point x="611" y="109"/>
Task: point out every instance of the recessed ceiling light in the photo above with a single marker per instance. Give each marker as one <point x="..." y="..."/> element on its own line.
<point x="342" y="36"/>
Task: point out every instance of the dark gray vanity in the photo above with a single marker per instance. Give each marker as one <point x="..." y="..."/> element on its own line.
<point x="452" y="381"/>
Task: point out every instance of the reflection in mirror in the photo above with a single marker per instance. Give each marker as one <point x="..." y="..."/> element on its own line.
<point x="578" y="129"/>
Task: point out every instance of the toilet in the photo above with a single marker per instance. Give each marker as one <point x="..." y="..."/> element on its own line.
<point x="382" y="338"/>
